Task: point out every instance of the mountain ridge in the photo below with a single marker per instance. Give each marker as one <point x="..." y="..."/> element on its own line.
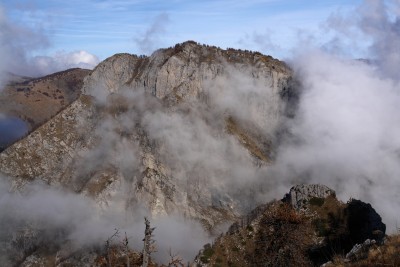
<point x="159" y="79"/>
<point x="178" y="133"/>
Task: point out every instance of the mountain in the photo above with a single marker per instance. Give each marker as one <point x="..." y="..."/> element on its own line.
<point x="188" y="131"/>
<point x="127" y="132"/>
<point x="186" y="137"/>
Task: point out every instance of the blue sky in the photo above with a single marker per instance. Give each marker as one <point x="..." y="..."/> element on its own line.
<point x="106" y="27"/>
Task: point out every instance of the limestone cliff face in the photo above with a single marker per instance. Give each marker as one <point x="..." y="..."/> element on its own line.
<point x="162" y="130"/>
<point x="185" y="73"/>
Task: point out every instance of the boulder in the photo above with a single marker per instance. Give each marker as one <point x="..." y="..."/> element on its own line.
<point x="300" y="196"/>
<point x="364" y="222"/>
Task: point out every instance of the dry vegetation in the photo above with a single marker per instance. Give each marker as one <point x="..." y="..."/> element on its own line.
<point x="37" y="100"/>
<point x="385" y="255"/>
<point x="264" y="241"/>
<point x="277" y="235"/>
<point x="210" y="54"/>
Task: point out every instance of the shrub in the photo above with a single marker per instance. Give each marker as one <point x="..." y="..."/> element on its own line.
<point x="317" y="201"/>
<point x="207" y="253"/>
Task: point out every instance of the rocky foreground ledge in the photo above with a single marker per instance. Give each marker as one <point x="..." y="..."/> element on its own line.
<point x="308" y="227"/>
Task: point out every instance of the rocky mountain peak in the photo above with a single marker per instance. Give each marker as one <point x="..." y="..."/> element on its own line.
<point x="177" y="133"/>
<point x="180" y="72"/>
<point x="176" y="130"/>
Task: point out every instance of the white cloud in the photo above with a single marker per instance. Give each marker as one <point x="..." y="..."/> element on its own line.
<point x="151" y="38"/>
<point x="64" y="60"/>
<point x="18" y="42"/>
<point x="346" y="130"/>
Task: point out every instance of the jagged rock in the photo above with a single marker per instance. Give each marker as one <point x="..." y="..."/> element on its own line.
<point x="300" y="195"/>
<point x="364" y="222"/>
<point x="360" y="251"/>
<point x="275" y="232"/>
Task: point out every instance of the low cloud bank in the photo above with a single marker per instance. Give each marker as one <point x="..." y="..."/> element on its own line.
<point x="47" y="216"/>
<point x="346" y="130"/>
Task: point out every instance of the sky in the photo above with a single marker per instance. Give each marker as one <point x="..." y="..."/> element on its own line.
<point x="103" y="28"/>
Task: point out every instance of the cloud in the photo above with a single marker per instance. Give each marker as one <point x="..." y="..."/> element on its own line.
<point x="18" y="44"/>
<point x="41" y="215"/>
<point x="373" y="27"/>
<point x="15" y="43"/>
<point x="261" y="41"/>
<point x="152" y="37"/>
<point x="345" y="133"/>
<point x="63" y="60"/>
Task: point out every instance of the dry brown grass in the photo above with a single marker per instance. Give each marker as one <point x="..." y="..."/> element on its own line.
<point x="386" y="255"/>
<point x="286" y="213"/>
<point x="118" y="258"/>
<point x="37" y="100"/>
<point x="264" y="242"/>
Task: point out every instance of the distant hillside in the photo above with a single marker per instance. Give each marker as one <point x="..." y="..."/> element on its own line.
<point x="37" y="100"/>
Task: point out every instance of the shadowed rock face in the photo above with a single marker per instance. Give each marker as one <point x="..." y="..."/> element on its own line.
<point x="122" y="140"/>
<point x="364" y="222"/>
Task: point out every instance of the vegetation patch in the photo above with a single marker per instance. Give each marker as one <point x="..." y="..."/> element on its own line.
<point x="208" y="252"/>
<point x="317" y="201"/>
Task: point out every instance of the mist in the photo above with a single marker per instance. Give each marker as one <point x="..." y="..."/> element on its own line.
<point x="345" y="133"/>
<point x="151" y="38"/>
<point x="41" y="215"/>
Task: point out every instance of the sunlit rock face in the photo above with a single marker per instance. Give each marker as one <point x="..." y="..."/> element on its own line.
<point x="188" y="130"/>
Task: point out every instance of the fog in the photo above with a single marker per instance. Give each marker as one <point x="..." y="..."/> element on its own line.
<point x="41" y="215"/>
<point x="151" y="38"/>
<point x="346" y="130"/>
<point x="345" y="133"/>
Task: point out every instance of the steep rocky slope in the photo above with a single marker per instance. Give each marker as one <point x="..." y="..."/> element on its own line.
<point x="170" y="130"/>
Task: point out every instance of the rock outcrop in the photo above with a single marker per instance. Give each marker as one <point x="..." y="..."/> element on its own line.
<point x="301" y="195"/>
<point x="360" y="251"/>
<point x="364" y="222"/>
<point x="280" y="234"/>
